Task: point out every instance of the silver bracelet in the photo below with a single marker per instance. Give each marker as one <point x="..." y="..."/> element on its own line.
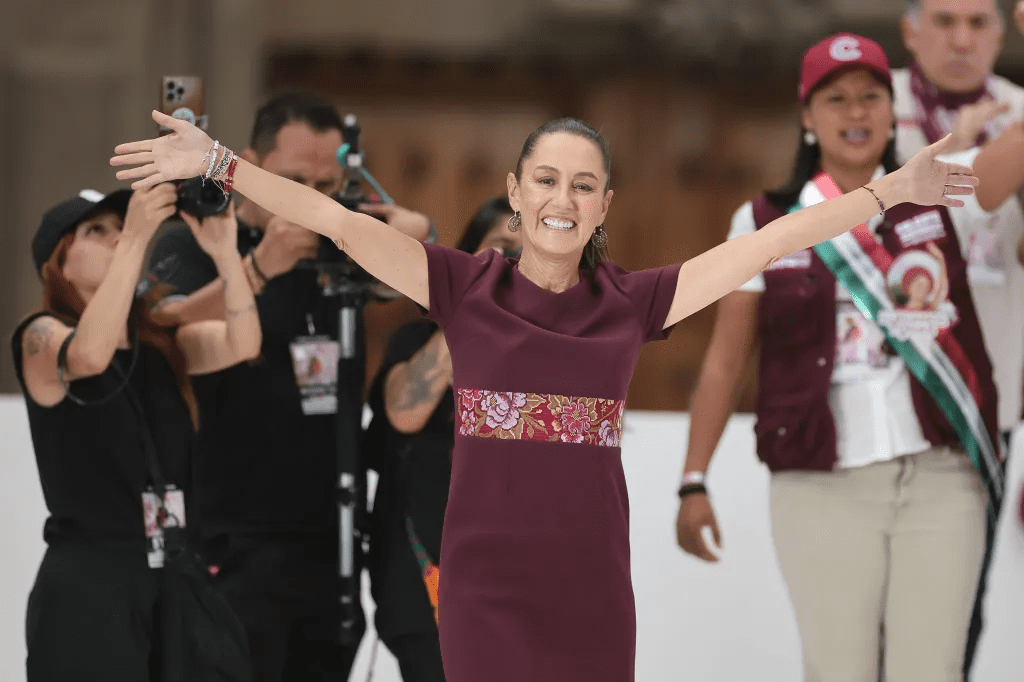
<point x="222" y="167"/>
<point x="213" y="161"/>
<point x="202" y="161"/>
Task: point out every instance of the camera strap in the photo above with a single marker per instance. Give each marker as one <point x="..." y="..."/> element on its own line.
<point x="163" y="504"/>
<point x="62" y="370"/>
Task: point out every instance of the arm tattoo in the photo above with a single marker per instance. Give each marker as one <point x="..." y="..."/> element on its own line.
<point x="37" y="336"/>
<point x="421" y="375"/>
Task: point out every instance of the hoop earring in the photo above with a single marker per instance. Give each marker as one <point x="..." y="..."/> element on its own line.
<point x="514" y="222"/>
<point x="810" y="138"/>
<point x="600" y="237"/>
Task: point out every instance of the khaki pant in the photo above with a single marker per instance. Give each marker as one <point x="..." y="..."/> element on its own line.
<point x="899" y="543"/>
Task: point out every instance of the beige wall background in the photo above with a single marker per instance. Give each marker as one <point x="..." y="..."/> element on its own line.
<point x="696" y="97"/>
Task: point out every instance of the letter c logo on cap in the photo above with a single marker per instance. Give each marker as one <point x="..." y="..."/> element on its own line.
<point x="845" y="49"/>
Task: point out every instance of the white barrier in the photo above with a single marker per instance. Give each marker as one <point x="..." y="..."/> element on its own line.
<point x="730" y="622"/>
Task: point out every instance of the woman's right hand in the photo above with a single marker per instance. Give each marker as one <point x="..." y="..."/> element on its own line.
<point x="147" y="209"/>
<point x="176" y="156"/>
<point x="695" y="512"/>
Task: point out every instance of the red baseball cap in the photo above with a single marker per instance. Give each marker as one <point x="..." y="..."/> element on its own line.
<point x="841" y="51"/>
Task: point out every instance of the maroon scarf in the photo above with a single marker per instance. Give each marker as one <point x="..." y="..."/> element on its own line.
<point x="935" y="111"/>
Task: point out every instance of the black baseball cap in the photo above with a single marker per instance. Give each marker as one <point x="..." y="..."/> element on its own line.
<point x="66" y="215"/>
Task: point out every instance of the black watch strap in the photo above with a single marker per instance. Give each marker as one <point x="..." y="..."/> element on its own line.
<point x="692" y="489"/>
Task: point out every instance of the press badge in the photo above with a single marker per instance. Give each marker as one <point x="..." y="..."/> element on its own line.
<point x="315" y="361"/>
<point x="157" y="517"/>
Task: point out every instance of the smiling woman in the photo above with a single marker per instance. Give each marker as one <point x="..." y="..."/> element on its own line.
<point x="536" y="584"/>
<point x="593" y="191"/>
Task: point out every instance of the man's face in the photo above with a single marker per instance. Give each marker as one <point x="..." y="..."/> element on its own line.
<point x="304" y="155"/>
<point x="955" y="42"/>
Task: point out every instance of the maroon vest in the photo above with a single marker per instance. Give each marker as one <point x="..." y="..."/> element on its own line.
<point x="795" y="428"/>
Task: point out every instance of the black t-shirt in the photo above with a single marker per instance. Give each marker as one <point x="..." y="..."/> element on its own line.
<point x="414" y="476"/>
<point x="91" y="460"/>
<point x="264" y="466"/>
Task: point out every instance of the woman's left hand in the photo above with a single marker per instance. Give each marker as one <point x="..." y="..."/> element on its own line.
<point x="929" y="182"/>
<point x="217" y="235"/>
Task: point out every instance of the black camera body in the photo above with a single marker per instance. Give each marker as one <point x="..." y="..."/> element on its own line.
<point x="201" y="199"/>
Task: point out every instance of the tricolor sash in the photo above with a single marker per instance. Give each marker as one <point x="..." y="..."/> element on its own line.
<point x="929" y="350"/>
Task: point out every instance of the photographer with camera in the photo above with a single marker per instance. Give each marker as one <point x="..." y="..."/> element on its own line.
<point x="268" y="473"/>
<point x="413" y="422"/>
<point x="110" y="400"/>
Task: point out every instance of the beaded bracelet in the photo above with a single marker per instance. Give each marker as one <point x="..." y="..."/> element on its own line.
<point x="229" y="180"/>
<point x="880" y="204"/>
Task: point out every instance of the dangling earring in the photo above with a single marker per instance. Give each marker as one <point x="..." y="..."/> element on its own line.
<point x="600" y="237"/>
<point x="514" y="222"/>
<point x="810" y="138"/>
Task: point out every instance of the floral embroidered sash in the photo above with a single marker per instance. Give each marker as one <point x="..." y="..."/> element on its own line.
<point x="538" y="416"/>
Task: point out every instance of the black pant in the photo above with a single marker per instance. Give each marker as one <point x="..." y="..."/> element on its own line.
<point x="285" y="592"/>
<point x="419" y="656"/>
<point x="93" y="616"/>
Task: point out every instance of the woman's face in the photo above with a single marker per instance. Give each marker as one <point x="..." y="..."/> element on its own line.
<point x="561" y="195"/>
<point x="852" y="117"/>
<point x="501" y="238"/>
<point x="89" y="255"/>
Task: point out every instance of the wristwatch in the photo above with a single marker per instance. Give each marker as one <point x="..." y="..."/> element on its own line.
<point x="693" y="482"/>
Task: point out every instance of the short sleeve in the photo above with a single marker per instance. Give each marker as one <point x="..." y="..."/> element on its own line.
<point x="450" y="274"/>
<point x="178" y="260"/>
<point x="652" y="292"/>
<point x="743" y="223"/>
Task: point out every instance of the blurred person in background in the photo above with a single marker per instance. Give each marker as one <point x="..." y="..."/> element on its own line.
<point x="949" y="87"/>
<point x="267" y="469"/>
<point x="878" y="509"/>
<point x="100" y="378"/>
<point x="414" y="428"/>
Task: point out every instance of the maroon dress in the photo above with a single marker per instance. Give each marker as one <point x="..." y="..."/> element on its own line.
<point x="535" y="570"/>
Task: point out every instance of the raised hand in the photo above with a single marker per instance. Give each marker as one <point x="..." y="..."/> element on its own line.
<point x="217" y="235"/>
<point x="972" y="119"/>
<point x="176" y="156"/>
<point x="283" y="245"/>
<point x="926" y="181"/>
<point x="147" y="209"/>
